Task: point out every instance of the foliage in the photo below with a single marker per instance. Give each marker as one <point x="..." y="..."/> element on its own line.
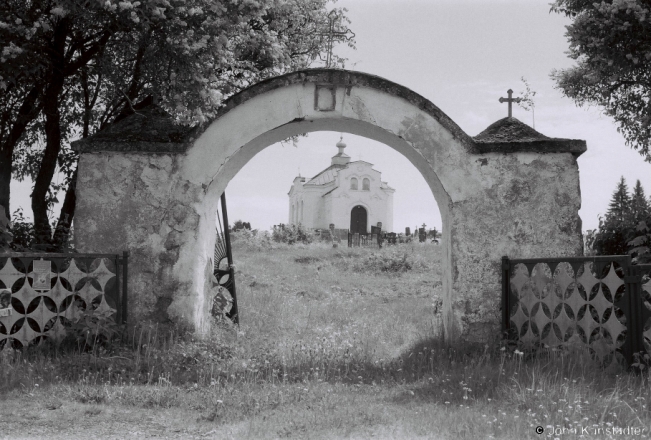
<point x="93" y="330"/>
<point x="394" y="262"/>
<point x="624" y="228"/>
<point x="252" y="240"/>
<point x="5" y="231"/>
<point x="611" y="44"/>
<point x="68" y="69"/>
<point x="239" y="225"/>
<point x="291" y="234"/>
<point x="25" y="236"/>
<point x="640" y="244"/>
<point x="527" y="102"/>
<point x="23" y="231"/>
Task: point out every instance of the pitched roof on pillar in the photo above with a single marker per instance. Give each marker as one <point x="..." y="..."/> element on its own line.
<point x="510" y="135"/>
<point x="149" y="130"/>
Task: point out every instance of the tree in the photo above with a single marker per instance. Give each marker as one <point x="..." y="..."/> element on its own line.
<point x="640" y="209"/>
<point x="526" y="102"/>
<point x="612" y="236"/>
<point x="611" y="43"/>
<point x="70" y="68"/>
<point x="627" y="226"/>
<point x="239" y="225"/>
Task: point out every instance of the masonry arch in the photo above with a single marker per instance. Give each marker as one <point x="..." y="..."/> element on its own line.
<point x="495" y="199"/>
<point x="331" y="100"/>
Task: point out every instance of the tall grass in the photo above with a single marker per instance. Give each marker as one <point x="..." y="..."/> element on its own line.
<point x="322" y="326"/>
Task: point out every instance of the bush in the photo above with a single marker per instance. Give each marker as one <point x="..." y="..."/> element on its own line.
<point x="254" y="240"/>
<point x="291" y="234"/>
<point x="25" y="236"/>
<point x="380" y="262"/>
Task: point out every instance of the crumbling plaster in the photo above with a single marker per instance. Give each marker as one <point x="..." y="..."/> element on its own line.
<point x="162" y="206"/>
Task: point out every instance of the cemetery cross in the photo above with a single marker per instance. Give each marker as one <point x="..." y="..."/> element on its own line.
<point x="510" y="100"/>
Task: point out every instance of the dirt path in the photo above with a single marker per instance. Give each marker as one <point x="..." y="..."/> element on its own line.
<point x="24" y="419"/>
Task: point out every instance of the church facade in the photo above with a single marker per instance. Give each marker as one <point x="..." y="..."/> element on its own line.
<point x="350" y="195"/>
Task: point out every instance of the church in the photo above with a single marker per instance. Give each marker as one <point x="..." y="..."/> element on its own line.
<point x="350" y="195"/>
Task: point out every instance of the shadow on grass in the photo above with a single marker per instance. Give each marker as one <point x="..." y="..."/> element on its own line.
<point x="429" y="370"/>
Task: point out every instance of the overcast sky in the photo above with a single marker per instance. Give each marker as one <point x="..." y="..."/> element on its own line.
<point x="462" y="55"/>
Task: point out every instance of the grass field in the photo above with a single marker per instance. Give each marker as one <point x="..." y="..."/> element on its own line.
<point x="333" y="343"/>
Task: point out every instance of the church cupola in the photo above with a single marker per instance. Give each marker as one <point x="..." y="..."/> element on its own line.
<point x="341" y="158"/>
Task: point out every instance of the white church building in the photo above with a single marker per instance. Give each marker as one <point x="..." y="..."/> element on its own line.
<point x="350" y="195"/>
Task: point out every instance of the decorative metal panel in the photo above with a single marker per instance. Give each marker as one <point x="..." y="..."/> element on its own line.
<point x="44" y="302"/>
<point x="646" y="299"/>
<point x="563" y="303"/>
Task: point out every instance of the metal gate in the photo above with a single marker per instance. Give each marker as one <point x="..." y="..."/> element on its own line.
<point x="223" y="269"/>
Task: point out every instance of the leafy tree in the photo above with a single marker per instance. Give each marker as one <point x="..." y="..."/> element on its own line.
<point x="527" y="102"/>
<point x="611" y="43"/>
<point x="70" y="68"/>
<point x="239" y="225"/>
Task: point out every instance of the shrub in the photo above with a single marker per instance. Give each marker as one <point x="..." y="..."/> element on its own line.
<point x="93" y="330"/>
<point x="384" y="262"/>
<point x="25" y="236"/>
<point x="254" y="240"/>
<point x="291" y="234"/>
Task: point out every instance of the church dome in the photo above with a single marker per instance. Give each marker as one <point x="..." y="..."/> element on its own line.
<point x="340" y="158"/>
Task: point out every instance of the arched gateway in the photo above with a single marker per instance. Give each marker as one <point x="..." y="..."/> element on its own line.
<point x="153" y="188"/>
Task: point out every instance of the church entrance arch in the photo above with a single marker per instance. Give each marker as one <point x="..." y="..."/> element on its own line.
<point x="358" y="220"/>
<point x="154" y="187"/>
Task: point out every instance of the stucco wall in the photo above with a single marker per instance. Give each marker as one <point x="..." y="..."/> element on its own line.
<point x="138" y="202"/>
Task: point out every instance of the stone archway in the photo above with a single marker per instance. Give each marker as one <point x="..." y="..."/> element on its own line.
<point x="153" y="187"/>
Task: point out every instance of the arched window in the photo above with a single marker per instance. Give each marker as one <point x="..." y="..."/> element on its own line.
<point x="353" y="183"/>
<point x="366" y="184"/>
<point x="291" y="215"/>
<point x="301" y="220"/>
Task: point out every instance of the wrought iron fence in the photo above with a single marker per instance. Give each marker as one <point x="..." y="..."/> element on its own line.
<point x="601" y="303"/>
<point x="45" y="292"/>
<point x="364" y="240"/>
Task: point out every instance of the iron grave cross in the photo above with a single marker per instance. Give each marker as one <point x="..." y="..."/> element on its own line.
<point x="331" y="35"/>
<point x="510" y="100"/>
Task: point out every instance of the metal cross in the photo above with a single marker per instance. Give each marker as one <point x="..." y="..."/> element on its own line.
<point x="510" y="100"/>
<point x="332" y="35"/>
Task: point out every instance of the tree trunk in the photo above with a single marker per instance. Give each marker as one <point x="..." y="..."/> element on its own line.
<point x="26" y="114"/>
<point x="52" y="134"/>
<point x="67" y="214"/>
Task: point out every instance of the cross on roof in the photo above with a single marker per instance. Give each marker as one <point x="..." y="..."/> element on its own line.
<point x="331" y="34"/>
<point x="510" y="100"/>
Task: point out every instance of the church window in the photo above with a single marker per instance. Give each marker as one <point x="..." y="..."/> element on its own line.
<point x="301" y="212"/>
<point x="366" y="184"/>
<point x="353" y="183"/>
